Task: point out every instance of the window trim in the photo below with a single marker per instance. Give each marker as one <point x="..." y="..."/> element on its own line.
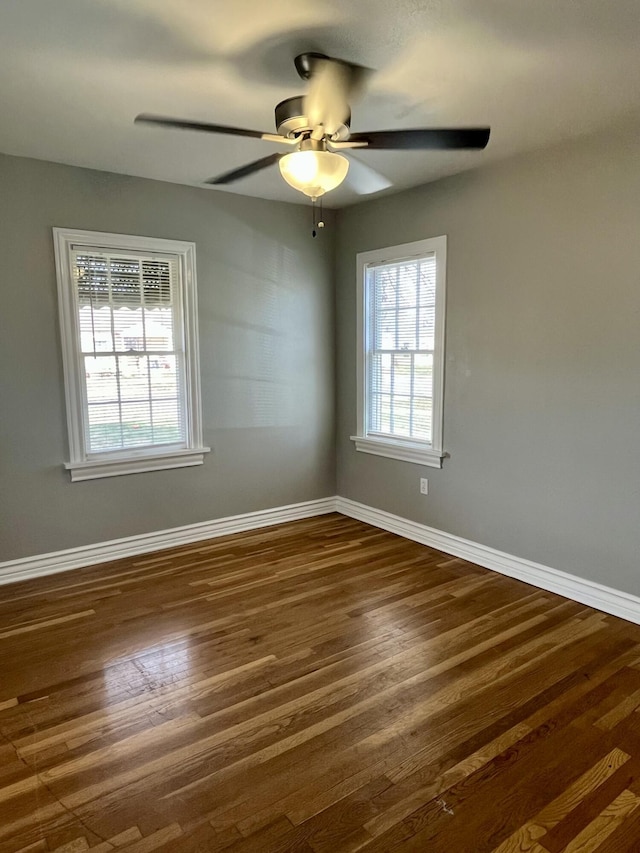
<point x="89" y="466"/>
<point x="407" y="450"/>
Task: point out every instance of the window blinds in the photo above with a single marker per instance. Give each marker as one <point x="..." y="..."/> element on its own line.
<point x="129" y="326"/>
<point x="401" y="298"/>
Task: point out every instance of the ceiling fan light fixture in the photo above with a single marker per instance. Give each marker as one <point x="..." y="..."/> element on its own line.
<point x="314" y="173"/>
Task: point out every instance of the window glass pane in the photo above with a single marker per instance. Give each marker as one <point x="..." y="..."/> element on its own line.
<point x="126" y="306"/>
<point x="134" y="378"/>
<point x="166" y="421"/>
<point x="381" y="413"/>
<point x="385" y="330"/>
<point x="426" y="330"/>
<point x="384" y="288"/>
<point x="104" y="428"/>
<point x="385" y="372"/>
<point x="422" y="409"/>
<point x="136" y="423"/>
<point x="101" y="380"/>
<point x="407" y="320"/>
<point x="402" y="374"/>
<point x="380" y="372"/>
<point x="95" y="329"/>
<point x="401" y="306"/>
<point x="401" y="416"/>
<point x="407" y="284"/>
<point x="423" y="376"/>
<point x="427" y="283"/>
<point x="164" y="381"/>
<point x="128" y="333"/>
<point x="158" y="329"/>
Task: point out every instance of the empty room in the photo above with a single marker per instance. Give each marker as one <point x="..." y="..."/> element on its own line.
<point x="319" y="426"/>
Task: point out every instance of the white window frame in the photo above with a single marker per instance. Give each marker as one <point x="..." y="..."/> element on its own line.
<point x="405" y="449"/>
<point x="83" y="465"/>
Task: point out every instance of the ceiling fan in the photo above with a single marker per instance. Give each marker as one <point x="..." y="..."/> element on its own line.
<point x="317" y="127"/>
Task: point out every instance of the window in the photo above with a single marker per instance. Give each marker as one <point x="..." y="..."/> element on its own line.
<point x="130" y="353"/>
<point x="401" y="301"/>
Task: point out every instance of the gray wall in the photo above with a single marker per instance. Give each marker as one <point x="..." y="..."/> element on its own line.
<point x="266" y="303"/>
<point x="542" y="396"/>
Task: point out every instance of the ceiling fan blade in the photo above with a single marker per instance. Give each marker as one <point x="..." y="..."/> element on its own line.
<point x="426" y="138"/>
<point x="243" y="171"/>
<point x="332" y="85"/>
<point x="365" y="180"/>
<point x="185" y="124"/>
<point x="345" y="146"/>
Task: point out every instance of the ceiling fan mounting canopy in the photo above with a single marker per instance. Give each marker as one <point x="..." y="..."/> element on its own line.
<point x="317" y="126"/>
<point x="306" y="63"/>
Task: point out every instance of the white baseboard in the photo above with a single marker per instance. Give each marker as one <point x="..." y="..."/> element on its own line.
<point x="131" y="546"/>
<point x="587" y="592"/>
<point x="593" y="594"/>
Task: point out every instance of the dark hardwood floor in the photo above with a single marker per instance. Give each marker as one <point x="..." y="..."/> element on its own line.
<point x="317" y="686"/>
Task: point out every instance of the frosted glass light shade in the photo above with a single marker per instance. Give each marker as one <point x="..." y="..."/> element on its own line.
<point x="314" y="173"/>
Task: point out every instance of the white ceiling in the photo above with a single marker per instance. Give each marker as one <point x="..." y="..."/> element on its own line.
<point x="74" y="73"/>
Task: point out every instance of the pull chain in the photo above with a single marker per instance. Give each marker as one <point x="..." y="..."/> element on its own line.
<point x="315" y="221"/>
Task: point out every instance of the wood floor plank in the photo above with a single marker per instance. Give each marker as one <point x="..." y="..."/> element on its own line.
<point x="317" y="687"/>
<point x="559" y="808"/>
<point x="600" y="829"/>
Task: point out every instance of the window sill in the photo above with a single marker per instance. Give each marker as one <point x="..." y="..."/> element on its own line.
<point x="406" y="451"/>
<point x="98" y="468"/>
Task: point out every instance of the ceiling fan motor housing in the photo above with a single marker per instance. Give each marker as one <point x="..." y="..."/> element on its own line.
<point x="291" y="120"/>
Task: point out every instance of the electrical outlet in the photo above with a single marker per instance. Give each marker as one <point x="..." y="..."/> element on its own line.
<point x="424" y="486"/>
